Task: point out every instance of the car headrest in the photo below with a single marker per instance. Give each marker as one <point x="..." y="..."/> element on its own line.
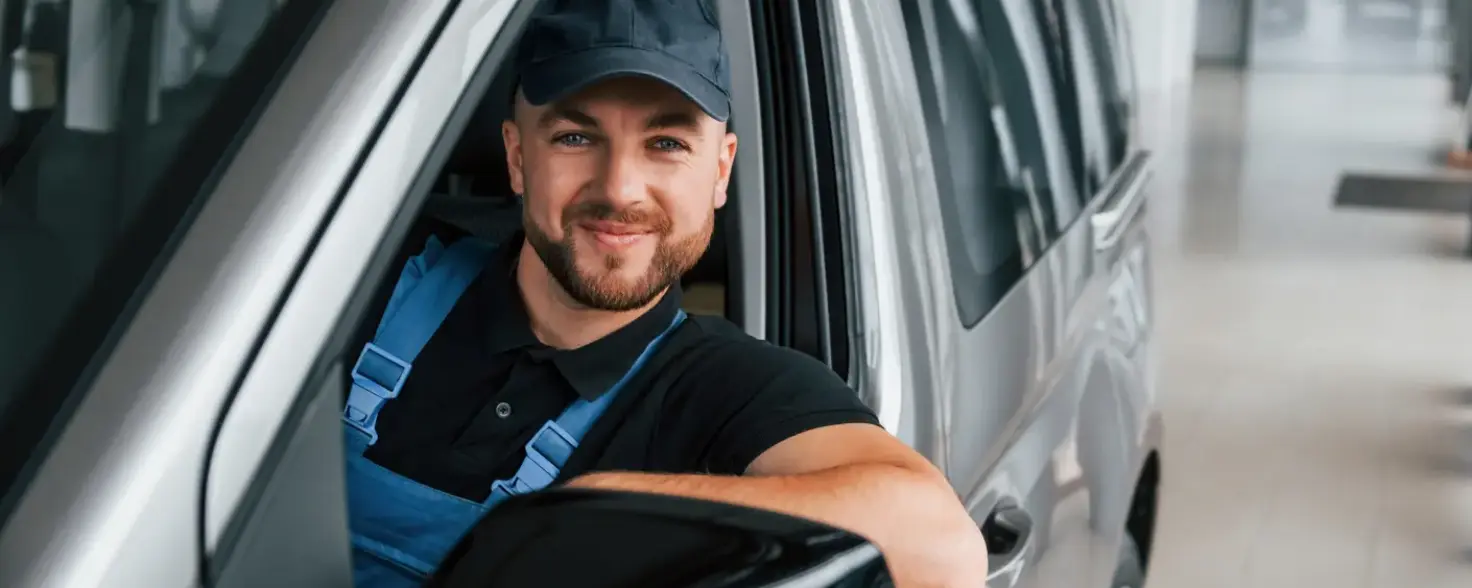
<point x="477" y="165"/>
<point x="493" y="219"/>
<point x="473" y="192"/>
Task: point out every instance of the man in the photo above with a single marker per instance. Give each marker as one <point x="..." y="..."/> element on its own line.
<point x="569" y="338"/>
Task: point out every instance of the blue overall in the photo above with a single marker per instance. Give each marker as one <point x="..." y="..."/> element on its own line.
<point x="402" y="529"/>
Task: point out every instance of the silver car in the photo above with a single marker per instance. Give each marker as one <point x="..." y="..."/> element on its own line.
<point x="942" y="199"/>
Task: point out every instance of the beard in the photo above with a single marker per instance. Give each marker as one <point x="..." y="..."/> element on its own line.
<point x="600" y="287"/>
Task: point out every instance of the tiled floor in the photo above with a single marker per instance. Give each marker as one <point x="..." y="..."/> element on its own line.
<point x="1317" y="362"/>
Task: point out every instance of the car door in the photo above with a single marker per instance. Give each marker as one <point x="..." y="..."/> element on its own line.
<point x="1119" y="237"/>
<point x="1109" y="253"/>
<point x="1059" y="445"/>
<point x="996" y="327"/>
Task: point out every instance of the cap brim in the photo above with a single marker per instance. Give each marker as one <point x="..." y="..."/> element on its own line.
<point x="553" y="79"/>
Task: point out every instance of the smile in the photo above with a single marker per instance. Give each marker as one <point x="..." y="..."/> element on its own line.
<point x="615" y="235"/>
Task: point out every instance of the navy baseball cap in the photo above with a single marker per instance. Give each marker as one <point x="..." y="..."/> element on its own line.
<point x="576" y="43"/>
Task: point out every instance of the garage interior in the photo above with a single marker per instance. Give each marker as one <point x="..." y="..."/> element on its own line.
<point x="1315" y="372"/>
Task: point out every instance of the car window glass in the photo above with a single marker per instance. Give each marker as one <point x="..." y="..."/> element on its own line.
<point x="1099" y="49"/>
<point x="1114" y="26"/>
<point x="981" y="215"/>
<point x="118" y="116"/>
<point x="1018" y="50"/>
<point x="1052" y="33"/>
<point x="1098" y="150"/>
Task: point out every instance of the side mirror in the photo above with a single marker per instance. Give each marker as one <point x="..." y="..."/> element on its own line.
<point x="603" y="539"/>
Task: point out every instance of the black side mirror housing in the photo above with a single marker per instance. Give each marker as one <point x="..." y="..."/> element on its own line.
<point x="604" y="539"/>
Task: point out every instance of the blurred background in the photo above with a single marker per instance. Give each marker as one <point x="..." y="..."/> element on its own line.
<point x="1314" y="290"/>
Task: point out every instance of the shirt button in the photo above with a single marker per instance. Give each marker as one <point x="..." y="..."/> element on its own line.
<point x="503" y="410"/>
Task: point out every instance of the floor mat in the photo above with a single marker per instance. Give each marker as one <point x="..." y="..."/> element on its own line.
<point x="1419" y="194"/>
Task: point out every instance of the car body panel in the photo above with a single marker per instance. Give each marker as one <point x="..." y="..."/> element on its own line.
<point x="1044" y="404"/>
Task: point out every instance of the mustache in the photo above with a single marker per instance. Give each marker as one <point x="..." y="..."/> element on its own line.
<point x="650" y="219"/>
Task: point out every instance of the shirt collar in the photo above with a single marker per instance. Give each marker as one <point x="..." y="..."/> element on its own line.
<point x="592" y="369"/>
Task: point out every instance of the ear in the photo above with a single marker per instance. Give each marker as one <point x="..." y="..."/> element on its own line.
<point x="511" y="136"/>
<point x="725" y="160"/>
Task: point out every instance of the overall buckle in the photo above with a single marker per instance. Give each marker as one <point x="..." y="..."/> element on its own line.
<point x="378" y="376"/>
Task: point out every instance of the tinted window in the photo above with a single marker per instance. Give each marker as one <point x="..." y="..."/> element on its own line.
<point x="120" y="114"/>
<point x="981" y="214"/>
<point x="1089" y="57"/>
<point x="1016" y="38"/>
<point x="1109" y="53"/>
<point x="1053" y="34"/>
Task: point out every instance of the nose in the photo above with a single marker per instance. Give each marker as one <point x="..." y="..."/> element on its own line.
<point x="623" y="178"/>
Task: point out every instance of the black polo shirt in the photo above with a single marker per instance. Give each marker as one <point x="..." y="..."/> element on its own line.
<point x="710" y="400"/>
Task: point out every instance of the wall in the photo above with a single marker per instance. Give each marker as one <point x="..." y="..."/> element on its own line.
<point x="1164" y="34"/>
<point x="1381" y="36"/>
<point x="1220" y="29"/>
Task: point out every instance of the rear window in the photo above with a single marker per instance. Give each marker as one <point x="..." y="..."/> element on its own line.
<point x="119" y="115"/>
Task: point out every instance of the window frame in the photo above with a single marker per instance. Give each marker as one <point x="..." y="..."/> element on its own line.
<point x="747" y="262"/>
<point x="427" y="123"/>
<point x="833" y="228"/>
<point x="812" y="290"/>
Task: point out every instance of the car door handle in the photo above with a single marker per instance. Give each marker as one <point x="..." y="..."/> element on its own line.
<point x="1008" y="532"/>
<point x="1124" y="195"/>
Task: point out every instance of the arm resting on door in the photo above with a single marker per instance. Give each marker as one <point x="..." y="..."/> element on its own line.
<point x="853" y="476"/>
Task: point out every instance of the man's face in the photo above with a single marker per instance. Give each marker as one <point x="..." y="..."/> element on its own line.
<point x="620" y="183"/>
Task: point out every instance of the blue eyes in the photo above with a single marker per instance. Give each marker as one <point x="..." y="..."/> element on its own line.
<point x="580" y="140"/>
<point x="573" y="140"/>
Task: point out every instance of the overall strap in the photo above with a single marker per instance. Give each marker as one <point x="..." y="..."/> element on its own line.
<point x="549" y="449"/>
<point x="427" y="289"/>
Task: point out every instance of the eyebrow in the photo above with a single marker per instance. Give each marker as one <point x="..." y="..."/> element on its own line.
<point x="567" y="113"/>
<point x="678" y="119"/>
<point x="674" y="119"/>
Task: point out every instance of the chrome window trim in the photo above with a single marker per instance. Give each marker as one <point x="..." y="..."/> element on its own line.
<point x="1120" y="198"/>
<point x="373" y="200"/>
<point x="116" y="503"/>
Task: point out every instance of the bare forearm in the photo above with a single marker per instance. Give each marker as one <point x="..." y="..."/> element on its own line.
<point x="855" y="477"/>
<point x="887" y="504"/>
